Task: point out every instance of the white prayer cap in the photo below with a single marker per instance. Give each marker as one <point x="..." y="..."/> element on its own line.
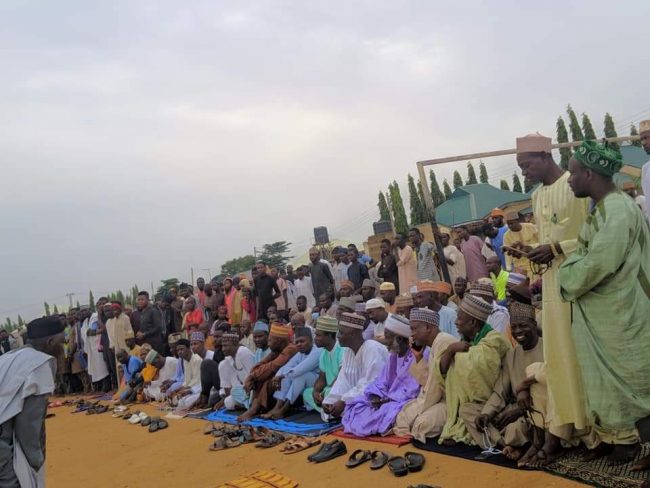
<point x="375" y="303"/>
<point x="398" y="325"/>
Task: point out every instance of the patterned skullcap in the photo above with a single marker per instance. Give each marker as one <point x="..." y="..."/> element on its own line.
<point x="387" y="286"/>
<point x="327" y="324"/>
<point x="482" y="290"/>
<point x="229" y="339"/>
<point x="375" y="303"/>
<point x="279" y="330"/>
<point x="151" y="355"/>
<point x="426" y="285"/>
<point x="360" y="308"/>
<point x="476" y="307"/>
<point x="398" y="325"/>
<point x="347" y="284"/>
<point x="425" y="315"/>
<point x="520" y="312"/>
<point x="600" y="158"/>
<point x="348" y="302"/>
<point x="352" y="320"/>
<point x="197" y="336"/>
<point x="405" y="300"/>
<point x="442" y="287"/>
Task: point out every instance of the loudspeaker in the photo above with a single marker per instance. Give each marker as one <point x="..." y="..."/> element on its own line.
<point x="382" y="227"/>
<point x="320" y="235"/>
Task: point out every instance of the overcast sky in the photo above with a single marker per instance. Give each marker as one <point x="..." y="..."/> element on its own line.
<point x="140" y="138"/>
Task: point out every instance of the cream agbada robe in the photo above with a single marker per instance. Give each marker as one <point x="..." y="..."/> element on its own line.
<point x="559" y="216"/>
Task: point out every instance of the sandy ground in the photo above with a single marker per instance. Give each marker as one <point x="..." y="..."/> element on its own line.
<point x="101" y="451"/>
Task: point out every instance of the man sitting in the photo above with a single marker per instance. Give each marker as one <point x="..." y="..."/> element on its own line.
<point x="261" y="339"/>
<point x="374" y="412"/>
<point x="388" y="293"/>
<point x="166" y="367"/>
<point x="131" y="366"/>
<point x="500" y="418"/>
<point x="470" y="367"/>
<point x="197" y="344"/>
<point x="233" y="371"/>
<point x="426" y="415"/>
<point x="376" y="310"/>
<point x="404" y="305"/>
<point x="329" y="363"/>
<point x="186" y="388"/>
<point x="499" y="318"/>
<point x="362" y="362"/>
<point x="300" y="372"/>
<point x="259" y="379"/>
<point x="427" y="297"/>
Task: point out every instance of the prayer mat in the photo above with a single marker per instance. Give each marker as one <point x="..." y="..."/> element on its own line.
<point x="261" y="479"/>
<point x="308" y="424"/>
<point x="386" y="439"/>
<point x="463" y="451"/>
<point x="597" y="472"/>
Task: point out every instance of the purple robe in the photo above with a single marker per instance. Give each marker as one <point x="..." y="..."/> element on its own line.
<point x="395" y="383"/>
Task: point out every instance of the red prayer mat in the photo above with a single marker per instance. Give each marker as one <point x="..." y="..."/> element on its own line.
<point x="386" y="439"/>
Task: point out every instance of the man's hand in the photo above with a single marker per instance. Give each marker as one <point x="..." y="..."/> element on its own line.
<point x="507" y="416"/>
<point x="318" y="397"/>
<point x="541" y="255"/>
<point x="482" y="421"/>
<point x="524" y="400"/>
<point x="450" y="262"/>
<point x="376" y="401"/>
<point x="139" y="335"/>
<point x="248" y="385"/>
<point x="460" y="346"/>
<point x="275" y="383"/>
<point x="336" y="409"/>
<point x="184" y="392"/>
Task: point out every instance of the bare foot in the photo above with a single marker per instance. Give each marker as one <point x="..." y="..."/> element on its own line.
<point x="623" y="454"/>
<point x="269" y="415"/>
<point x="449" y="442"/>
<point x="247" y="415"/>
<point x="512" y="453"/>
<point x="642" y="464"/>
<point x="527" y="459"/>
<point x="601" y="450"/>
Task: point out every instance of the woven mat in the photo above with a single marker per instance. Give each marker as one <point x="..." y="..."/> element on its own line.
<point x="261" y="479"/>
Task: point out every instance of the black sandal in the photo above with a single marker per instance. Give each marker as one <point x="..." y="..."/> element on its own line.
<point x="357" y="458"/>
<point x="398" y="466"/>
<point x="414" y="461"/>
<point x="379" y="459"/>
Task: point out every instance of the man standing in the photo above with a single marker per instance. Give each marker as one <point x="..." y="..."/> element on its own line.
<point x="471" y="247"/>
<point x="497" y="217"/>
<point x="606" y="279"/>
<point x="200" y="294"/>
<point x="341" y="265"/>
<point x="424" y="252"/>
<point x="387" y="269"/>
<point x="150" y="323"/>
<point x="499" y="278"/>
<point x="266" y="290"/>
<point x="406" y="264"/>
<point x="321" y="277"/>
<point x="455" y="259"/>
<point x="282" y="302"/>
<point x="559" y="215"/>
<point x="26" y="381"/>
<point x="522" y="237"/>
<point x="357" y="272"/>
<point x="644" y="132"/>
<point x="97" y="368"/>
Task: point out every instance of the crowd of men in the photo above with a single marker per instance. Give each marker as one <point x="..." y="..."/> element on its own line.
<point x="387" y="346"/>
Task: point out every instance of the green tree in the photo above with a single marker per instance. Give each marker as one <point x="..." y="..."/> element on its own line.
<point x="237" y="265"/>
<point x="46" y="306"/>
<point x="504" y="185"/>
<point x="437" y="195"/>
<point x="21" y="322"/>
<point x="588" y="129"/>
<point x="119" y="296"/>
<point x="516" y="183"/>
<point x="274" y="254"/>
<point x="8" y="325"/>
<point x="458" y="181"/>
<point x="418" y="214"/>
<point x="635" y="132"/>
<point x="482" y="176"/>
<point x="384" y="212"/>
<point x="78" y="304"/>
<point x="427" y="215"/>
<point x="55" y="311"/>
<point x="446" y="189"/>
<point x="563" y="136"/>
<point x="91" y="301"/>
<point x="610" y="131"/>
<point x="528" y="185"/>
<point x="471" y="174"/>
<point x="164" y="288"/>
<point x="574" y="125"/>
<point x="397" y="205"/>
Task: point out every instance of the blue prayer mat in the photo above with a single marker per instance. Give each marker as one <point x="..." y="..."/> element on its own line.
<point x="309" y="424"/>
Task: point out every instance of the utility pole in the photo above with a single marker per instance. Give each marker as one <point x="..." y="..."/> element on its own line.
<point x="192" y="276"/>
<point x="70" y="295"/>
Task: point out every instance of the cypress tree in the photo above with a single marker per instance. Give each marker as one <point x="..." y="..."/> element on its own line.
<point x="447" y="189"/>
<point x="516" y="183"/>
<point x="384" y="213"/>
<point x="437" y="195"/>
<point x="471" y="174"/>
<point x="528" y="185"/>
<point x="482" y="176"/>
<point x="55" y="310"/>
<point x="504" y="185"/>
<point x="610" y="131"/>
<point x="91" y="301"/>
<point x="418" y="215"/>
<point x="563" y="136"/>
<point x="590" y="133"/>
<point x="78" y="305"/>
<point x="458" y="181"/>
<point x="574" y="125"/>
<point x="427" y="215"/>
<point x="635" y="132"/>
<point x="46" y="306"/>
<point x="399" y="214"/>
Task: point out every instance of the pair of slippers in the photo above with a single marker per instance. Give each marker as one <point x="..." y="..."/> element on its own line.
<point x="410" y="462"/>
<point x="271" y="439"/>
<point x="228" y="438"/>
<point x="299" y="444"/>
<point x="378" y="459"/>
<point x="328" y="451"/>
<point x="156" y="424"/>
<point x="96" y="409"/>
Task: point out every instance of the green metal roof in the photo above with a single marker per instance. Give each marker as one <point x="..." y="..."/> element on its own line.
<point x="474" y="202"/>
<point x="634" y="156"/>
